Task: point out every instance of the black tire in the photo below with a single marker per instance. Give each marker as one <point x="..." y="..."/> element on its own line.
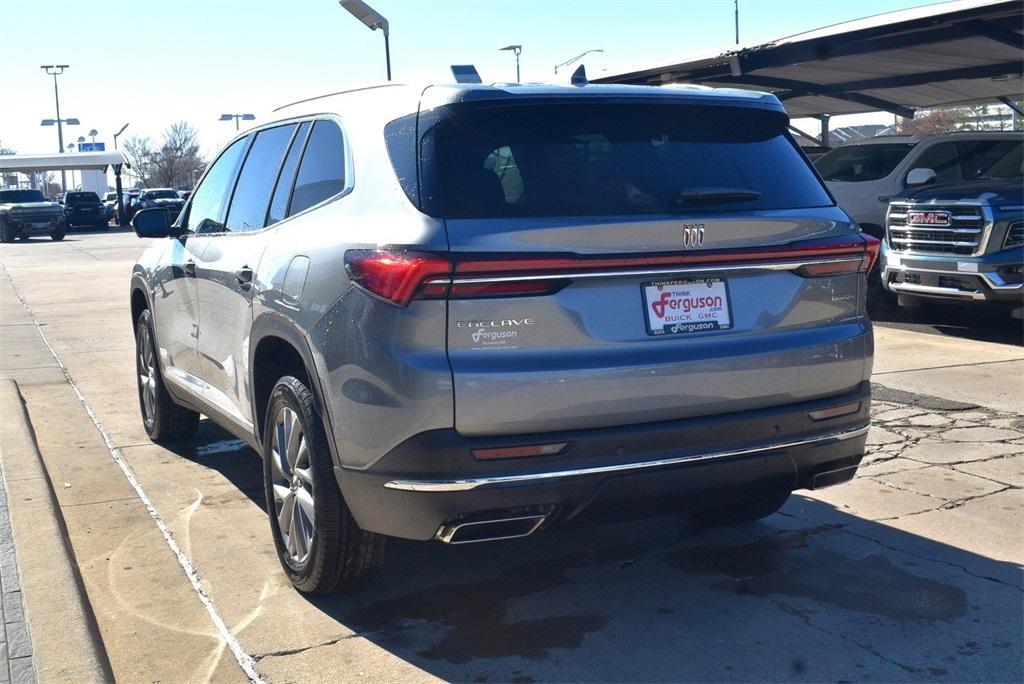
<point x="6" y="232"/>
<point x="58" y="233"/>
<point x="330" y="552"/>
<point x="163" y="419"/>
<point x="745" y="510"/>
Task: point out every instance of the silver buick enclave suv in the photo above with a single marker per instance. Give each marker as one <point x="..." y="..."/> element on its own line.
<point x="471" y="312"/>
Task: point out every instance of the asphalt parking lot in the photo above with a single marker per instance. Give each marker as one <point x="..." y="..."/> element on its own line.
<point x="911" y="572"/>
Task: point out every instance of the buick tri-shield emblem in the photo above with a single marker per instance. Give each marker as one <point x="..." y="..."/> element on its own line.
<point x="928" y="218"/>
<point x="693" y="236"/>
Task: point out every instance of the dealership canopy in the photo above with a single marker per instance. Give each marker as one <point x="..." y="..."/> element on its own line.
<point x="949" y="53"/>
<point x="77" y="161"/>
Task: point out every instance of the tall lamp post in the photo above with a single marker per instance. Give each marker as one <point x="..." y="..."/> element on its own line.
<point x="516" y="50"/>
<point x="373" y="20"/>
<point x="237" y="118"/>
<point x="56" y="70"/>
<point x="575" y="59"/>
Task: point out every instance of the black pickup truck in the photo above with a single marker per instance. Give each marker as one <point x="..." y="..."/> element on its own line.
<point x="24" y="213"/>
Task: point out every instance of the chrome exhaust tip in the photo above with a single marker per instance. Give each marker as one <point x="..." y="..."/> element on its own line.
<point x="492" y="529"/>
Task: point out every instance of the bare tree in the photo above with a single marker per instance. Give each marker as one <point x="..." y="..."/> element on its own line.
<point x="179" y="158"/>
<point x="4" y="149"/>
<point x="173" y="164"/>
<point x="141" y="157"/>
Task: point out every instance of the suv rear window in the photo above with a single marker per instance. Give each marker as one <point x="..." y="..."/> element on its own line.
<point x="856" y="163"/>
<point x="82" y="198"/>
<point x="612" y="159"/>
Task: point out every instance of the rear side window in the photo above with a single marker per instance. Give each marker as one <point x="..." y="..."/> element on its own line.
<point x="283" y="191"/>
<point x="857" y="163"/>
<point x="602" y="159"/>
<point x="256" y="180"/>
<point x="209" y="201"/>
<point x="322" y="169"/>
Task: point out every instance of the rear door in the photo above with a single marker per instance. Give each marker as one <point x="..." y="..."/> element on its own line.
<point x="226" y="271"/>
<point x="628" y="262"/>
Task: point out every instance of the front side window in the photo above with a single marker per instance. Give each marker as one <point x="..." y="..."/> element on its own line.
<point x="944" y="160"/>
<point x="256" y="180"/>
<point x="857" y="163"/>
<point x="209" y="202"/>
<point x="322" y="169"/>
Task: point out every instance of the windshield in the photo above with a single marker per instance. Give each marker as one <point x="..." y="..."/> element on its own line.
<point x="81" y="198"/>
<point x="162" y="194"/>
<point x="856" y="163"/>
<point x="1010" y="165"/>
<point x="18" y="196"/>
<point x="601" y="159"/>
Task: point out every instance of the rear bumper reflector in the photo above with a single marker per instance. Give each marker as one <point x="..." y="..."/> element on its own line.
<point x="835" y="411"/>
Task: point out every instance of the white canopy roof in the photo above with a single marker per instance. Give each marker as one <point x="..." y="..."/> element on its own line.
<point x="76" y="161"/>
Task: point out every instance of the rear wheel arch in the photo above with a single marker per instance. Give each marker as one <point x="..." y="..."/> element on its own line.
<point x="277" y="350"/>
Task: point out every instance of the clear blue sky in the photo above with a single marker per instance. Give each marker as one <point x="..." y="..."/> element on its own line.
<point x="152" y="63"/>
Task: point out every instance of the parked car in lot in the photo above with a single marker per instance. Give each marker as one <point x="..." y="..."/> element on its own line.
<point x="84" y="209"/>
<point x="24" y="213"/>
<point x="472" y="312"/>
<point x="863" y="176"/>
<point x="163" y="198"/>
<point x="130" y="198"/>
<point x="110" y="205"/>
<point x="962" y="242"/>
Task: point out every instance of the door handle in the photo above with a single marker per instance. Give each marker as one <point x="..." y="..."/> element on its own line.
<point x="190" y="269"/>
<point x="244" y="275"/>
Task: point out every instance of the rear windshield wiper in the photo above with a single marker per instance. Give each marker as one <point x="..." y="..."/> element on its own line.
<point x="714" y="196"/>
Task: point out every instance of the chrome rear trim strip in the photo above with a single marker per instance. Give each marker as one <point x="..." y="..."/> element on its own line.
<point x="667" y="271"/>
<point x="546" y="477"/>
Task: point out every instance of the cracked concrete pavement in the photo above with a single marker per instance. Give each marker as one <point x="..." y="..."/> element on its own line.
<point x="910" y="572"/>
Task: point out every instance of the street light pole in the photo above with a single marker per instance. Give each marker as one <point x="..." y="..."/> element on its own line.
<point x="736" y="9"/>
<point x="373" y="20"/>
<point x="56" y="70"/>
<point x="575" y="59"/>
<point x="516" y="50"/>
<point x="237" y="118"/>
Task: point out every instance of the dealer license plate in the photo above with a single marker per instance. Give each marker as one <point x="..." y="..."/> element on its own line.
<point x="687" y="305"/>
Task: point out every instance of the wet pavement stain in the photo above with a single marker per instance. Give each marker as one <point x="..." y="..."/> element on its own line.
<point x="476" y="612"/>
<point x="792" y="566"/>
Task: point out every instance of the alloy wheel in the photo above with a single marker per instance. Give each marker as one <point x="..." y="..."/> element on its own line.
<point x="147" y="376"/>
<point x="292" y="484"/>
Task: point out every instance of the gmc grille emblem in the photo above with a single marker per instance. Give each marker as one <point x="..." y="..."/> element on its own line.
<point x="928" y="218"/>
<point x="693" y="236"/>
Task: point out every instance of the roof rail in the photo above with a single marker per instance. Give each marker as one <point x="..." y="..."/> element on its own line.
<point x="339" y="92"/>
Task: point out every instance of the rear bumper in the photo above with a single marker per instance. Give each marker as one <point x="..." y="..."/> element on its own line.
<point x="987" y="278"/>
<point x="432" y="480"/>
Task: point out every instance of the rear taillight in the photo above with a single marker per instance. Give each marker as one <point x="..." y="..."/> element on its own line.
<point x="399" y="277"/>
<point x="396" y="276"/>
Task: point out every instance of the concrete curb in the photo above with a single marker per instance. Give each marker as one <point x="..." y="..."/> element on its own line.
<point x="67" y="646"/>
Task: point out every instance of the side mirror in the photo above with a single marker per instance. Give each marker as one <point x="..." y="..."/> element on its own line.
<point x="152" y="223"/>
<point x="921" y="177"/>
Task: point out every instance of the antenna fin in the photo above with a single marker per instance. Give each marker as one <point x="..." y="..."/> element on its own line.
<point x="579" y="77"/>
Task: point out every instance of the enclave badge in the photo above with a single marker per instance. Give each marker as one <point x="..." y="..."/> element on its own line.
<point x="693" y="235"/>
